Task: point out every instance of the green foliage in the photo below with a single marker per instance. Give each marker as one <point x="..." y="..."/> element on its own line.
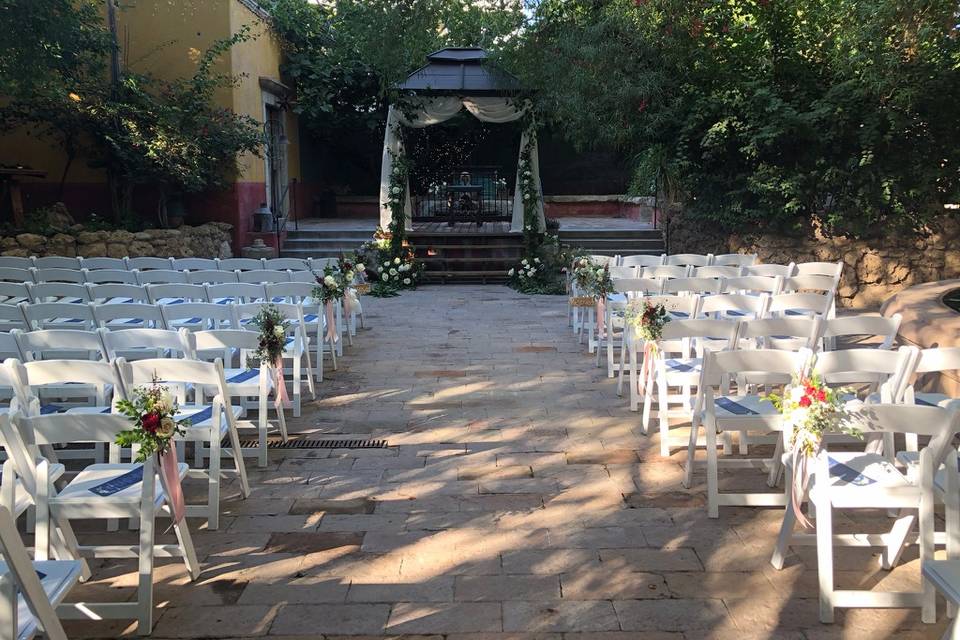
<point x="541" y="270"/>
<point x="762" y="112"/>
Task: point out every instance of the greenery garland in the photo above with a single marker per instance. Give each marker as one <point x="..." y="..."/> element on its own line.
<point x="396" y="200"/>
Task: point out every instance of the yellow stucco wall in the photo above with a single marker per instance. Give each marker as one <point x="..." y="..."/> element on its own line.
<point x="165" y="38"/>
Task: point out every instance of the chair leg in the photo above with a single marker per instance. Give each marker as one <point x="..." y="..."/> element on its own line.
<point x="713" y="489"/>
<point x="785" y="535"/>
<point x="262" y="426"/>
<point x="663" y="414"/>
<point x="928" y="612"/>
<point x="213" y="486"/>
<point x="825" y="556"/>
<point x="647" y="402"/>
<point x="634" y="393"/>
<point x="145" y="578"/>
<point x="691" y="453"/>
<point x="186" y="545"/>
<point x="897" y="541"/>
<point x="623" y="346"/>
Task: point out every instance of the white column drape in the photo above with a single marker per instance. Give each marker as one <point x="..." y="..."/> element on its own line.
<point x="435" y="110"/>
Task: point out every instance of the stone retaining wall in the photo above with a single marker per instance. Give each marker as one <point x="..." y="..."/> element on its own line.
<point x="874" y="269"/>
<point x="210" y="240"/>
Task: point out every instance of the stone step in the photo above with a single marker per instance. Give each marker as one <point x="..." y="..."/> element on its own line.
<point x="646" y="234"/>
<point x="483" y="276"/>
<point x="353" y="234"/>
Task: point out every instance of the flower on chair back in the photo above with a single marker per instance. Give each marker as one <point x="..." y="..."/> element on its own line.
<point x="152" y="410"/>
<point x="272" y="327"/>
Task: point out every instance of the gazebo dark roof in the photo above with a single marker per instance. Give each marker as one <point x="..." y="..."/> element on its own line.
<point x="460" y="71"/>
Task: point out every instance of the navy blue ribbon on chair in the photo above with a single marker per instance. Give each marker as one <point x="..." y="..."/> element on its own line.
<point x="115" y="485"/>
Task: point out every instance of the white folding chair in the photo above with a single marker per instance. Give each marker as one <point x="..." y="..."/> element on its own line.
<point x="623" y="273"/>
<point x="676" y="286"/>
<point x="211" y="276"/>
<point x="716" y="271"/>
<point x="800" y="304"/>
<point x="59" y="315"/>
<point x="57" y="262"/>
<point x="304" y="276"/>
<point x="868" y="480"/>
<point x="98" y="492"/>
<point x="624" y="290"/>
<point x="11" y="317"/>
<point x="832" y="269"/>
<point x="58" y="292"/>
<point x="194" y="264"/>
<point x="110" y="276"/>
<point x="54" y="274"/>
<point x="16" y="262"/>
<point x="735" y="259"/>
<point x="149" y="264"/>
<point x="162" y="276"/>
<point x="117" y="293"/>
<point x="689" y="259"/>
<point x="138" y="344"/>
<point x="297" y="349"/>
<point x="753" y="285"/>
<point x="286" y="264"/>
<point x="166" y="294"/>
<point x="677" y="363"/>
<point x="111" y="264"/>
<point x="58" y="344"/>
<point x="235" y="292"/>
<point x="197" y="316"/>
<point x="31" y="590"/>
<point x="134" y="315"/>
<point x="864" y="326"/>
<point x="783" y="334"/>
<point x="771" y="270"/>
<point x="14" y="292"/>
<point x="244" y="382"/>
<point x="264" y="276"/>
<point x="641" y="261"/>
<point x="314" y="318"/>
<point x="211" y="421"/>
<point x="731" y="306"/>
<point x="666" y="272"/>
<point x="239" y="264"/>
<point x="745" y="412"/>
<point x="14" y="274"/>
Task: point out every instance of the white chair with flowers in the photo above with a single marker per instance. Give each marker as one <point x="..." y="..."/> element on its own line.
<point x="301" y="294"/>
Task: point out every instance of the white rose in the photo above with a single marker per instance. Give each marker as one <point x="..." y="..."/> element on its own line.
<point x="384" y="276"/>
<point x="329" y="281"/>
<point x="510" y="273"/>
<point x="165" y="404"/>
<point x="524" y="261"/>
<point x="396" y="261"/>
<point x="349" y="275"/>
<point x="361" y="268"/>
<point x="406" y="281"/>
<point x="526" y="196"/>
<point x="396" y="190"/>
<point x="599" y="272"/>
<point x="278" y="331"/>
<point x="393" y="271"/>
<point x="537" y="260"/>
<point x="796" y="393"/>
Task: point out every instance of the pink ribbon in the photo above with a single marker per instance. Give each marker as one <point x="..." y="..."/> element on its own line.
<point x="170" y="480"/>
<point x="801" y="476"/>
<point x="280" y="383"/>
<point x="649" y="353"/>
<point x="331" y="323"/>
<point x="601" y="316"/>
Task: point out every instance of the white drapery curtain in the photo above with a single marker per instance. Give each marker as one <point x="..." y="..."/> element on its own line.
<point x="430" y="111"/>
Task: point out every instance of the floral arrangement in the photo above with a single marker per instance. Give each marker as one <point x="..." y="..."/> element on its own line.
<point x="330" y="284"/>
<point x="390" y="271"/>
<point x="151" y="410"/>
<point x="542" y="271"/>
<point x="396" y="201"/>
<point x="591" y="279"/>
<point x="533" y="235"/>
<point x="810" y="409"/>
<point x="647" y="320"/>
<point x="272" y="326"/>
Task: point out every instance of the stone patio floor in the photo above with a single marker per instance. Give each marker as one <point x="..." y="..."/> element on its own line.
<point x="517" y="499"/>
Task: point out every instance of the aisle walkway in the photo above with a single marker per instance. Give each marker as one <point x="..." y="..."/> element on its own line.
<point x="516" y="495"/>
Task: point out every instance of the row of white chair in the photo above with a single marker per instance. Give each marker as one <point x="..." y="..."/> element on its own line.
<point x="682" y="259"/>
<point x="165" y="276"/>
<point x="147" y="263"/>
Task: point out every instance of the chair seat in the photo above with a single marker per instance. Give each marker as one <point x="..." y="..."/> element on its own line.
<point x="118" y="483"/>
<point x="743" y="406"/>
<point x="201" y="417"/>
<point x="945" y="576"/>
<point x="683" y="365"/>
<point x="851" y="472"/>
<point x="57" y="577"/>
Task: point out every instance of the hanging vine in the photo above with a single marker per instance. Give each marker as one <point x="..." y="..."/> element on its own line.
<point x="396" y="199"/>
<point x="530" y="195"/>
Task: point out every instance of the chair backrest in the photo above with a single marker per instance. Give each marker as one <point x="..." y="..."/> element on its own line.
<point x="13" y="292"/>
<point x="116" y="276"/>
<point x="864" y="325"/>
<point x="243" y="312"/>
<point x="295" y="292"/>
<point x="162" y="276"/>
<point x="597" y="259"/>
<point x="800" y="304"/>
<point x="66" y="315"/>
<point x="57" y="262"/>
<point x="56" y="274"/>
<point x="211" y="276"/>
<point x="58" y="292"/>
<point x="832" y="269"/>
<point x="49" y="344"/>
<point x="263" y="276"/>
<point x="15" y="274"/>
<point x="142" y="343"/>
<point x="717" y="271"/>
<point x="240" y="292"/>
<point x="867" y="367"/>
<point x="641" y="261"/>
<point x="635" y="287"/>
<point x="702" y="328"/>
<point x="680" y="306"/>
<point x="128" y="316"/>
<point x="291" y="264"/>
<point x="11" y="317"/>
<point x="195" y="264"/>
<point x="15" y="262"/>
<point x="817" y="283"/>
<point x="113" y="264"/>
<point x="304" y="276"/>
<point x="239" y="264"/>
<point x="666" y="271"/>
<point x="753" y="284"/>
<point x="768" y="332"/>
<point x="167" y="293"/>
<point x="734" y="259"/>
<point x="199" y="315"/>
<point x="28" y="584"/>
<point x="30" y="377"/>
<point x="689" y="259"/>
<point x="749" y="307"/>
<point x="167" y="370"/>
<point x="940" y="424"/>
<point x="149" y="264"/>
<point x="201" y="342"/>
<point x="691" y="285"/>
<point x="623" y="273"/>
<point x="9" y="348"/>
<point x="117" y="293"/>
<point x="759" y="366"/>
<point x="782" y="270"/>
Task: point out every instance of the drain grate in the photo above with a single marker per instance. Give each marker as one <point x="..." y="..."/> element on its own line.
<point x="303" y="443"/>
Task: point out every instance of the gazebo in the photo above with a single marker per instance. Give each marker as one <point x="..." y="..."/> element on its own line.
<point x="456" y="78"/>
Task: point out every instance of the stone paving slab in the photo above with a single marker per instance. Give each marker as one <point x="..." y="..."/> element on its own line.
<point x="517" y="500"/>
